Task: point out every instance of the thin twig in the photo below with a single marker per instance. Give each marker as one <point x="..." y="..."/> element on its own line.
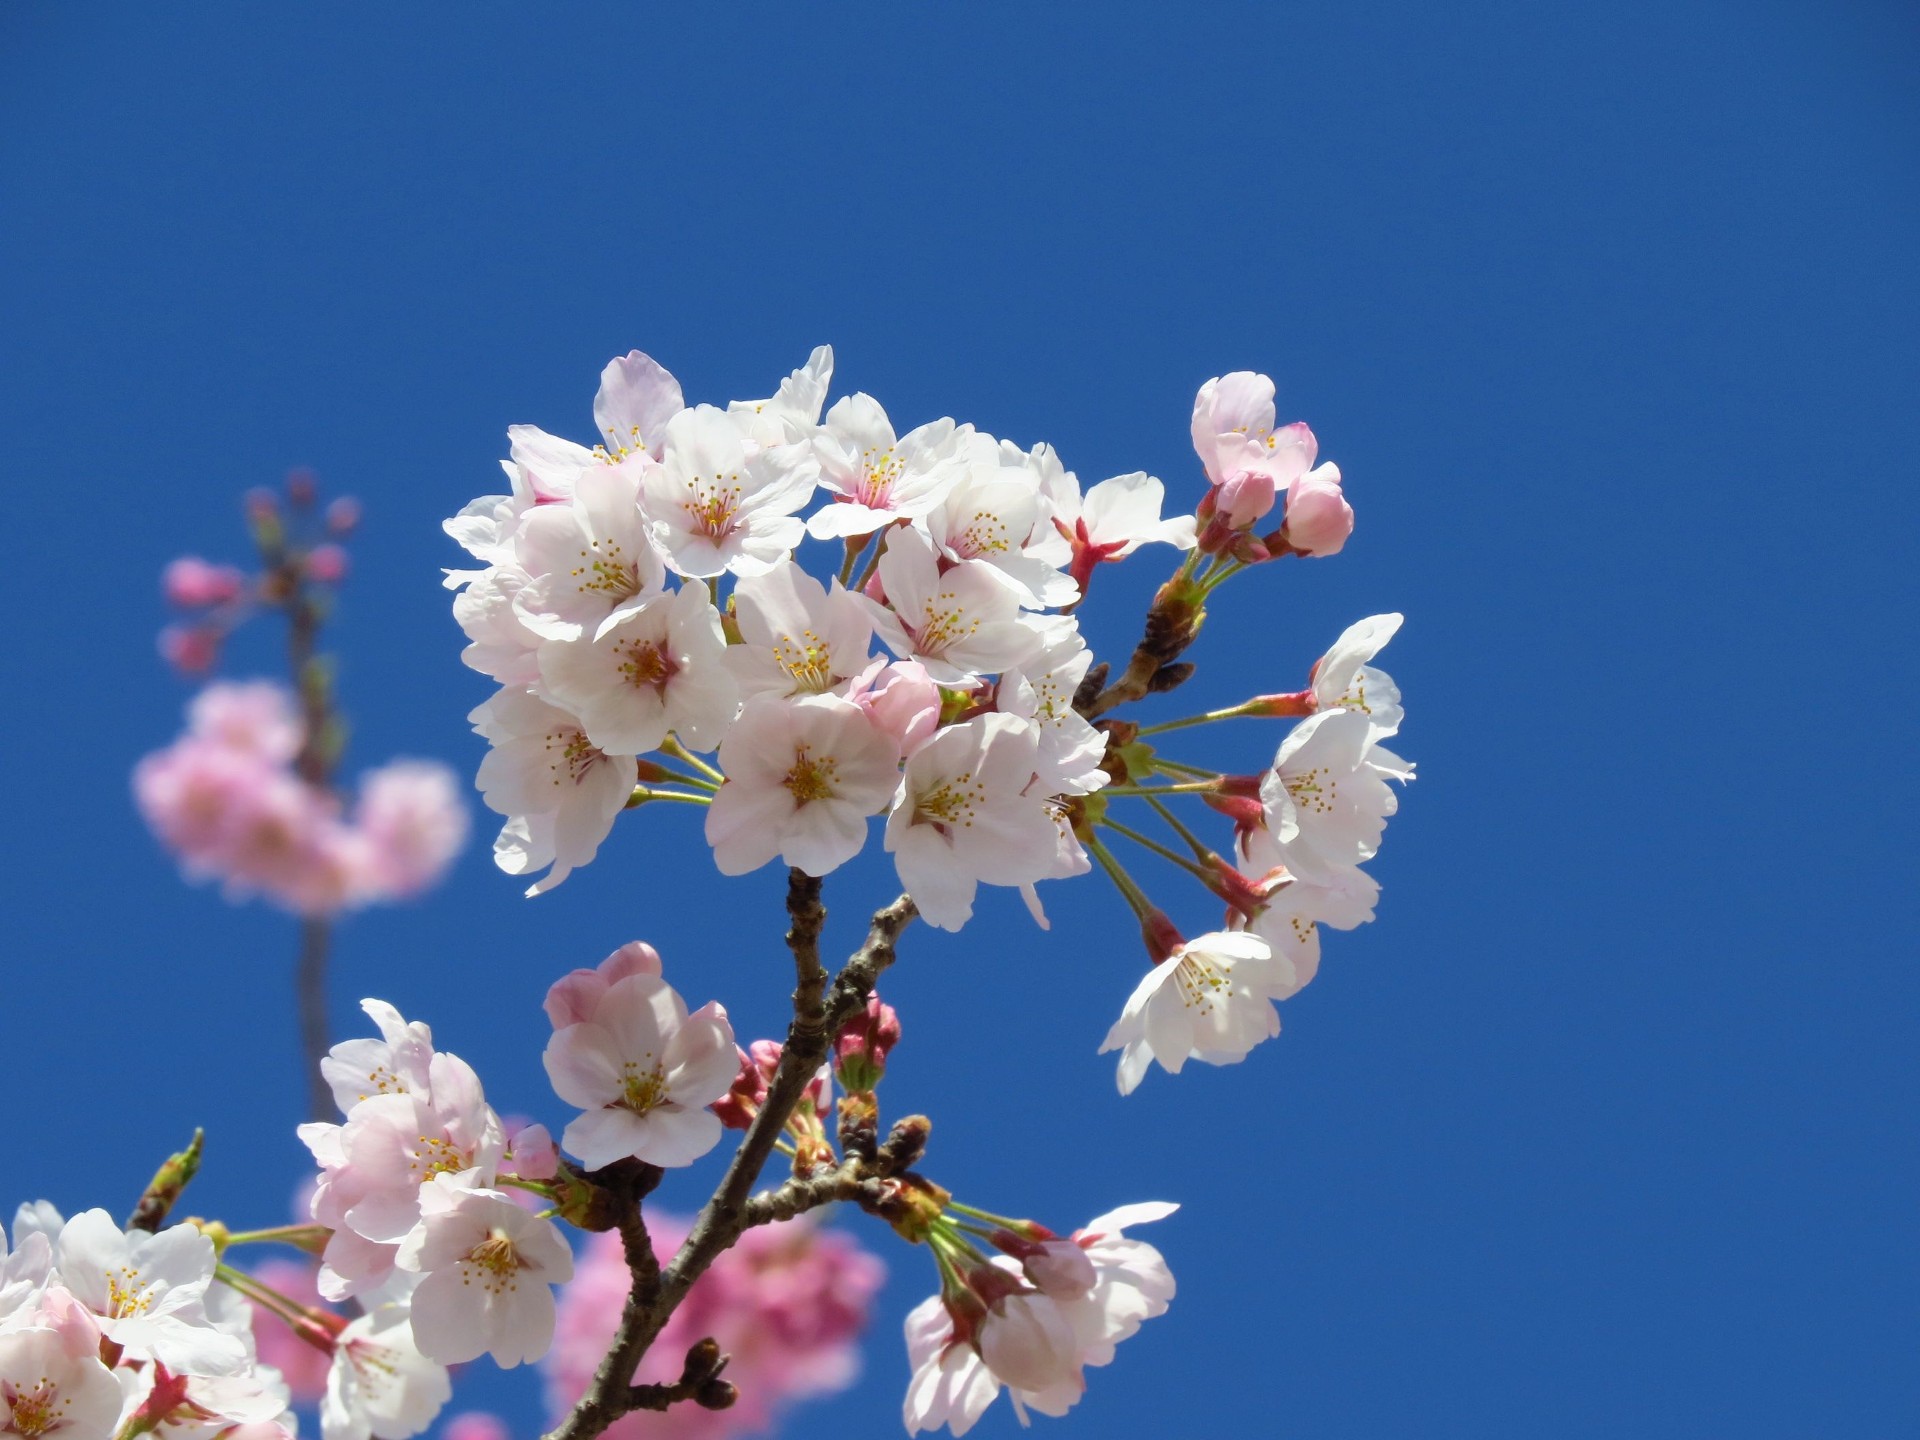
<point x="819" y="1011"/>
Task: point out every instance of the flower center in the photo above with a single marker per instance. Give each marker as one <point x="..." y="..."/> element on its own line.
<point x="617" y="449"/>
<point x="605" y="570"/>
<point x="985" y="534"/>
<point x="880" y="471"/>
<point x="1314" y="791"/>
<point x="711" y="507"/>
<point x="571" y="756"/>
<point x="436" y="1155"/>
<point x="646" y="663"/>
<point x="35" y="1411"/>
<point x="806" y="659"/>
<point x="125" y="1294"/>
<point x="944" y="624"/>
<point x="494" y="1263"/>
<point x="952" y="803"/>
<point x="641" y="1090"/>
<point x="811" y="779"/>
<point x="1201" y="983"/>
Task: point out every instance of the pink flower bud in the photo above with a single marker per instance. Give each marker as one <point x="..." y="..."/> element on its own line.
<point x="327" y="564"/>
<point x="190" y="582"/>
<point x="343" y="516"/>
<point x="262" y="505"/>
<point x="1319" y="520"/>
<point x="860" y="1050"/>
<point x="740" y="1104"/>
<point x="303" y="487"/>
<point x="190" y="649"/>
<point x="1244" y="497"/>
<point x="531" y="1154"/>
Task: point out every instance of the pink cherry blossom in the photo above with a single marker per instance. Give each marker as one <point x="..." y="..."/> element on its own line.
<point x="788" y="1304"/>
<point x="575" y="998"/>
<point x="643" y="1070"/>
<point x="486" y="1268"/>
<point x="191" y="582"/>
<point x="414" y="823"/>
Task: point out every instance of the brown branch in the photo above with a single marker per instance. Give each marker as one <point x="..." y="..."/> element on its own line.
<point x="819" y="1011"/>
<point x="310" y="990"/>
<point x="1172" y="624"/>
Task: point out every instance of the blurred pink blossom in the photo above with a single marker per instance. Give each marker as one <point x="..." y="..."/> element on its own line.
<point x="788" y="1303"/>
<point x="414" y="825"/>
<point x="191" y="582"/>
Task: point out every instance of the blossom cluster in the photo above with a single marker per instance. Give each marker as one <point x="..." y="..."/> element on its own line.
<point x="599" y="609"/>
<point x="107" y="1331"/>
<point x="1302" y="830"/>
<point x="227" y="799"/>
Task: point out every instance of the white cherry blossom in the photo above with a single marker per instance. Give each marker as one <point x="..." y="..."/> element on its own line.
<point x="147" y="1292"/>
<point x="53" y="1386"/>
<point x="878" y="478"/>
<point x="792" y="413"/>
<point x="1343" y="678"/>
<point x="1210" y="1000"/>
<point x="963" y="815"/>
<point x="635" y="400"/>
<point x="501" y="644"/>
<point x="803" y="775"/>
<point x="487" y="1268"/>
<point x="1111" y="520"/>
<point x="588" y="558"/>
<point x="715" y="506"/>
<point x="1041" y="690"/>
<point x="1233" y="433"/>
<point x="960" y="624"/>
<point x="798" y="637"/>
<point x="644" y="1071"/>
<point x="995" y="513"/>
<point x="395" y="1064"/>
<point x="951" y="1386"/>
<point x="656" y="668"/>
<point x="380" y="1385"/>
<point x="1291" y="921"/>
<point x="1326" y="796"/>
<point x="558" y="789"/>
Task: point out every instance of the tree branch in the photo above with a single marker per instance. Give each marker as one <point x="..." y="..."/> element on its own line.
<point x="819" y="1011"/>
<point x="1172" y="623"/>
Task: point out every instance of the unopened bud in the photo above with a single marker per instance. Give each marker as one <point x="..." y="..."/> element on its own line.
<point x="716" y="1395"/>
<point x="190" y="649"/>
<point x="1278" y="707"/>
<point x="704" y="1361"/>
<point x="742" y="1102"/>
<point x="327" y="564"/>
<point x="303" y="488"/>
<point x="905" y="1144"/>
<point x="343" y="516"/>
<point x="1319" y="520"/>
<point x="191" y="582"/>
<point x="861" y="1048"/>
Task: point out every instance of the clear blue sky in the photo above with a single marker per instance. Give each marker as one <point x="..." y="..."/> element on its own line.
<point x="1605" y="1128"/>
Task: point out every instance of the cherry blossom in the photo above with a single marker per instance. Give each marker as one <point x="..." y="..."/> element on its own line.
<point x="395" y="1064"/>
<point x="558" y="789"/>
<point x="412" y="821"/>
<point x="1210" y="1000"/>
<point x="1111" y="520"/>
<point x="876" y="478"/>
<point x="587" y="559"/>
<point x="501" y="645"/>
<point x="380" y="1384"/>
<point x="644" y="1071"/>
<point x="962" y="815"/>
<point x="486" y="1268"/>
<point x="961" y="623"/>
<point x="787" y="1305"/>
<point x="147" y="1292"/>
<point x="53" y="1386"/>
<point x="576" y="996"/>
<point x="791" y="414"/>
<point x="1041" y="691"/>
<point x="802" y="777"/>
<point x="653" y="669"/>
<point x="994" y="513"/>
<point x="1326" y="795"/>
<point x="902" y="699"/>
<point x="635" y="400"/>
<point x="798" y="637"/>
<point x="1344" y="678"/>
<point x="715" y="506"/>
